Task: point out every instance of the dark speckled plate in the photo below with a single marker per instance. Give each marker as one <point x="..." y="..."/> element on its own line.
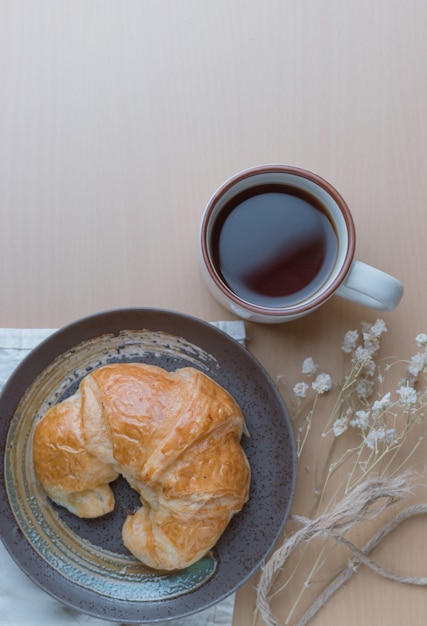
<point x="83" y="563"/>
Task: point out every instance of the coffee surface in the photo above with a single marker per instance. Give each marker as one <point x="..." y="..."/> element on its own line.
<point x="274" y="246"/>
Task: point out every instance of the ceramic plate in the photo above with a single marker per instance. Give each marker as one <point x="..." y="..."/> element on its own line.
<point x="83" y="563"/>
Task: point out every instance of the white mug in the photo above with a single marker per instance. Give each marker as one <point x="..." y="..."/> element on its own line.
<point x="277" y="241"/>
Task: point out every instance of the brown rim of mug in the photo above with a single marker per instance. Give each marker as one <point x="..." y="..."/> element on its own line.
<point x="303" y="306"/>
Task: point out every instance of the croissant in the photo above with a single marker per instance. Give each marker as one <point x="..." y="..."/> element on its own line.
<point x="174" y="436"/>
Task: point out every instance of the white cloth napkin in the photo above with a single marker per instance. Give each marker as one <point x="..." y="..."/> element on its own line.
<point x="22" y="603"/>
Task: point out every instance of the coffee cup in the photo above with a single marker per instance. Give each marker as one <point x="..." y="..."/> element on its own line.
<point x="276" y="242"/>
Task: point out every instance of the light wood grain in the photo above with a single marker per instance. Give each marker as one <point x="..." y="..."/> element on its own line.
<point x="119" y="120"/>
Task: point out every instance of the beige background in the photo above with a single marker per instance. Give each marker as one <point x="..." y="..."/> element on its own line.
<point x="118" y="120"/>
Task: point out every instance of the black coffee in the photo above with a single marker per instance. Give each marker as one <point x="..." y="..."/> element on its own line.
<point x="274" y="245"/>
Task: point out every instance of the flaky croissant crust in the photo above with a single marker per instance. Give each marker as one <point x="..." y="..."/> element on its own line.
<point x="174" y="436"/>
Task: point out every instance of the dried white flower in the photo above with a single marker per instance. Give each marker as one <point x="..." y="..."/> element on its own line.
<point x="351" y="338"/>
<point x="378" y="328"/>
<point x="407" y="394"/>
<point x="309" y="366"/>
<point x="421" y="340"/>
<point x="362" y="355"/>
<point x="379" y="435"/>
<point x="300" y="390"/>
<point x="417" y="364"/>
<point x="371" y="335"/>
<point x="323" y="383"/>
<point x="369" y="368"/>
<point x="364" y="388"/>
<point x="362" y="358"/>
<point x="360" y="420"/>
<point x="383" y="404"/>
<point x="340" y="426"/>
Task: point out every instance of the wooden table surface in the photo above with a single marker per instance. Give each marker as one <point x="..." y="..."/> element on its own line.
<point x="118" y="120"/>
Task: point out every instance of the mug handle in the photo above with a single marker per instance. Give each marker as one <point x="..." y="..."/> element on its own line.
<point x="371" y="287"/>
